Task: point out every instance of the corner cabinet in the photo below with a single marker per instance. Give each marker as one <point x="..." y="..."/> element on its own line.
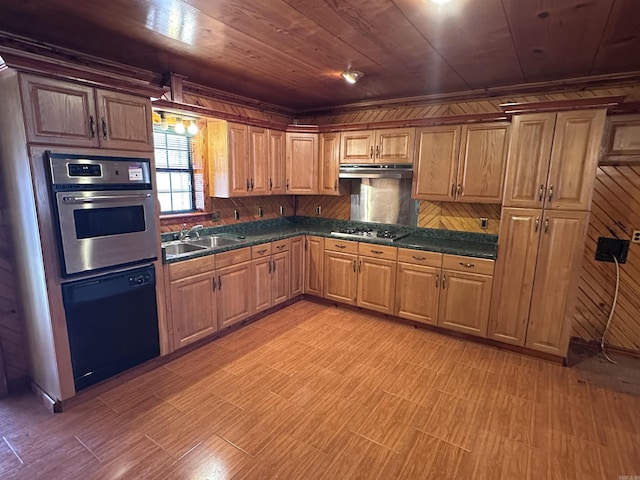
<point x="302" y="163"/>
<point x="64" y="113"/>
<point x="553" y="159"/>
<point x="461" y="163"/>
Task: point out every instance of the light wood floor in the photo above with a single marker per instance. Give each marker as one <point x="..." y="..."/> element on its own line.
<point x="318" y="392"/>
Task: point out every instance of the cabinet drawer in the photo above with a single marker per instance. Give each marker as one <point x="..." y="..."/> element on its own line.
<point x="195" y="266"/>
<point x="233" y="257"/>
<point x="262" y="250"/>
<point x="344" y="246"/>
<point x="468" y="264"/>
<point x="377" y="251"/>
<point x="420" y="257"/>
<point x="280" y="246"/>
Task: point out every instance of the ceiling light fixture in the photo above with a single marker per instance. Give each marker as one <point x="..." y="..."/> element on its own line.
<point x="440" y="1"/>
<point x="179" y="128"/>
<point x="351" y="76"/>
<point x="192" y="129"/>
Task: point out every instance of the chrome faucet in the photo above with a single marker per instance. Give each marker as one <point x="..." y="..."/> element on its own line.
<point x="188" y="233"/>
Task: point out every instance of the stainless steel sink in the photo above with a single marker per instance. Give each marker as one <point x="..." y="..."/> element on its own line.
<point x="213" y="242"/>
<point x="178" y="248"/>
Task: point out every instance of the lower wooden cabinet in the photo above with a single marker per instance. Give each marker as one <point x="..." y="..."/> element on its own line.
<point x="340" y="277"/>
<point x="194" y="308"/>
<point x="261" y="284"/>
<point x="234" y="301"/>
<point x="314" y="265"/>
<point x="297" y="266"/>
<point x="280" y="284"/>
<point x="537" y="276"/>
<point x="417" y="293"/>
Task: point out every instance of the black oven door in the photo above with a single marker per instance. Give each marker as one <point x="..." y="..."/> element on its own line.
<point x="105" y="229"/>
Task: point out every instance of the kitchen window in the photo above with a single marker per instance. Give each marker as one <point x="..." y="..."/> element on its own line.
<point x="174" y="171"/>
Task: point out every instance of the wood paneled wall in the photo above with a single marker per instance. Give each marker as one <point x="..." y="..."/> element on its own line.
<point x="437" y="109"/>
<point x="14" y="362"/>
<point x="331" y="207"/>
<point x="615" y="213"/>
<point x="463" y="217"/>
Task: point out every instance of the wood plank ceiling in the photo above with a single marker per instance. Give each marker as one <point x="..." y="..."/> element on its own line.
<point x="290" y="52"/>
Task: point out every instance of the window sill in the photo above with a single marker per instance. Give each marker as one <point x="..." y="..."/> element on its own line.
<point x="171" y="218"/>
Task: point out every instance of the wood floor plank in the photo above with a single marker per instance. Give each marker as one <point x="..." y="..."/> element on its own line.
<point x="323" y="392"/>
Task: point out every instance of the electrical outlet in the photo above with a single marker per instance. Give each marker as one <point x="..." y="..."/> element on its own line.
<point x="259" y="211"/>
<point x="484" y="222"/>
<point x="318" y="210"/>
<point x="281" y="210"/>
<point x="215" y="217"/>
<point x="635" y="238"/>
<point x="236" y="214"/>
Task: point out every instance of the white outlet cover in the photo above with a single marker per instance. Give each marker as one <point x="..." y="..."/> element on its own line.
<point x="635" y="238"/>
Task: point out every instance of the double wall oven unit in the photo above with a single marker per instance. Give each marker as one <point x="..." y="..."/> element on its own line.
<point x="106" y="226"/>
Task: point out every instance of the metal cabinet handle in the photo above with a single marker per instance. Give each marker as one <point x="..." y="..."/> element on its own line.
<point x="280" y="247"/>
<point x="546" y="225"/>
<point x="335" y="186"/>
<point x="252" y="184"/>
<point x="287" y="184"/>
<point x="419" y="258"/>
<point x="248" y="185"/>
<point x="92" y="126"/>
<point x="340" y="246"/>
<point x="219" y="282"/>
<point x="269" y="266"/>
<point x="354" y="265"/>
<point x="550" y="192"/>
<point x="453" y="189"/>
<point x="360" y="266"/>
<point x="214" y="283"/>
<point x="377" y="252"/>
<point x="437" y="280"/>
<point x="104" y="128"/>
<point x="537" y="224"/>
<point x="262" y="251"/>
<point x="444" y="280"/>
<point x="468" y="265"/>
<point x="377" y="151"/>
<point x="270" y="184"/>
<point x="371" y="152"/>
<point x="274" y="266"/>
<point x="540" y="193"/>
<point x="459" y="189"/>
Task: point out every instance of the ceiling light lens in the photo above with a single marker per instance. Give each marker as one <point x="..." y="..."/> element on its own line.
<point x="179" y="126"/>
<point x="164" y="125"/>
<point x="192" y="129"/>
<point x="352" y="76"/>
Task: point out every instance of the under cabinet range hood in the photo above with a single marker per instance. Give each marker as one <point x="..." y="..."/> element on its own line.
<point x="376" y="171"/>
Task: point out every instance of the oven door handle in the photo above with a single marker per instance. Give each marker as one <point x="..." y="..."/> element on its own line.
<point x="103" y="198"/>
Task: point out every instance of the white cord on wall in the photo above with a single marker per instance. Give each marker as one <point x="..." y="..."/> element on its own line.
<point x="613" y="307"/>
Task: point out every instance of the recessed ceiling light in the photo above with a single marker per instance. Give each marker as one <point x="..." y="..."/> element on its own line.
<point x="351" y="76"/>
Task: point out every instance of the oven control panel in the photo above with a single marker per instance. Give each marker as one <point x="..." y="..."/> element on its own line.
<point x="137" y="280"/>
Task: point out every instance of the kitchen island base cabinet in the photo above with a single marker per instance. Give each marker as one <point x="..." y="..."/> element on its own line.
<point x="234" y="298"/>
<point x="194" y="308"/>
<point x="465" y="299"/>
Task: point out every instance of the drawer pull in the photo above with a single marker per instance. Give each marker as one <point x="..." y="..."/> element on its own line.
<point x="340" y="246"/>
<point x="468" y="265"/>
<point x="377" y="252"/>
<point x="419" y="258"/>
<point x="262" y="251"/>
<point x="280" y="247"/>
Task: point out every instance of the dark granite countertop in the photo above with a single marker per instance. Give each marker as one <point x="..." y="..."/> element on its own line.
<point x="478" y="245"/>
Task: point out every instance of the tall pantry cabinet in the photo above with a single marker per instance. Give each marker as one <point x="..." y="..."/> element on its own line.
<point x="552" y="164"/>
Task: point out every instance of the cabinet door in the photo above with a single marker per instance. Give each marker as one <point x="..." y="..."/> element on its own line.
<point x="435" y="174"/>
<point x="234" y="298"/>
<point x="59" y="113"/>
<point x="340" y="277"/>
<point x="261" y="285"/>
<point x="376" y="284"/>
<point x="417" y="292"/>
<point x="483" y="158"/>
<point x="329" y="163"/>
<point x="464" y="302"/>
<point x="555" y="282"/>
<point x="515" y="269"/>
<point x="528" y="160"/>
<point x="238" y="158"/>
<point x="125" y="121"/>
<point x="395" y="145"/>
<point x="314" y="265"/>
<point x="358" y="147"/>
<point x="302" y="163"/>
<point x="296" y="260"/>
<point x="193" y="308"/>
<point x="280" y="278"/>
<point x="277" y="176"/>
<point x="574" y="159"/>
<point x="259" y="164"/>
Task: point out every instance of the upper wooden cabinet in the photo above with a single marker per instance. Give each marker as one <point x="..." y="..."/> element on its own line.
<point x="461" y="163"/>
<point x="553" y="158"/>
<point x="394" y="145"/>
<point x="65" y="113"/>
<point x="329" y="148"/>
<point x="244" y="160"/>
<point x="302" y="163"/>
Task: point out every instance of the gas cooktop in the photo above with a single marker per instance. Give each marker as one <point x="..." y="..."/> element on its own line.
<point x="363" y="232"/>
